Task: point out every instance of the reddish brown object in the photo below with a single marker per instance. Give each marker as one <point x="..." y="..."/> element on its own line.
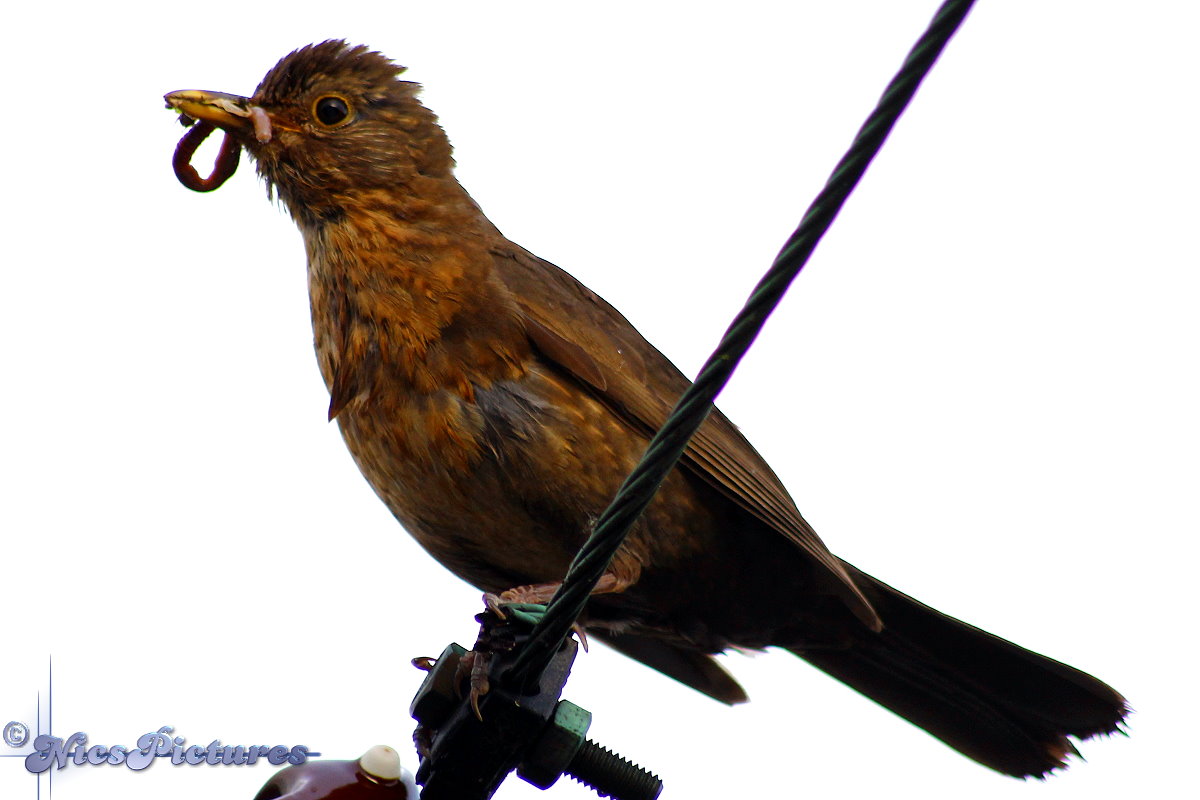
<point x="224" y="167"/>
<point x="495" y="404"/>
<point x="335" y="780"/>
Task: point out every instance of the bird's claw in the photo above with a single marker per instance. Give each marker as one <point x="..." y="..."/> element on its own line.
<point x="473" y="667"/>
<point x="581" y="634"/>
<point x="424" y="663"/>
<point x="535" y="594"/>
<point x="494" y="603"/>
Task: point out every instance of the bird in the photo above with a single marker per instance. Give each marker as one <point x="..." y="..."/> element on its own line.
<point x="494" y="404"/>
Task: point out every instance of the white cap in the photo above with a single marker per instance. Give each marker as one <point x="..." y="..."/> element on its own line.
<point x="381" y="762"/>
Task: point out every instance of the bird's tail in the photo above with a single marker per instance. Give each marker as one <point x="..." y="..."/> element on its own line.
<point x="1006" y="707"/>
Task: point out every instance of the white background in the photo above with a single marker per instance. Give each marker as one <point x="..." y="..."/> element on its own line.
<point x="983" y="389"/>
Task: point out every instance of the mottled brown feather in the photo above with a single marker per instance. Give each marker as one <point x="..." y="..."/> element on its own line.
<point x="640" y="383"/>
<point x="495" y="403"/>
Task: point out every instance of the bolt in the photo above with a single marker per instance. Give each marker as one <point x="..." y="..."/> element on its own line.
<point x="609" y="774"/>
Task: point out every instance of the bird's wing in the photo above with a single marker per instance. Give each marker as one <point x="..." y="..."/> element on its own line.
<point x="574" y="327"/>
<point x="692" y="668"/>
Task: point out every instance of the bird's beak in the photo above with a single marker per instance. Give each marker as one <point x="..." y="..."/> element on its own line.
<point x="229" y="112"/>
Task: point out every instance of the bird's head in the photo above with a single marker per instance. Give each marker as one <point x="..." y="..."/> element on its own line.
<point x="329" y="125"/>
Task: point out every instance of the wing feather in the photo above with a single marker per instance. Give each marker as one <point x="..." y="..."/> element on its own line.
<point x="574" y="327"/>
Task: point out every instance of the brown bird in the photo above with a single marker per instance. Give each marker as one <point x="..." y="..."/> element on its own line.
<point x="495" y="404"/>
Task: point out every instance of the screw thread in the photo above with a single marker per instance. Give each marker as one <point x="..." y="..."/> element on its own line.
<point x="609" y="774"/>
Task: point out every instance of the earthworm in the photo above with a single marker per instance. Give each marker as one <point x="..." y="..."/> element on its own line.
<point x="226" y="163"/>
<point x="262" y="124"/>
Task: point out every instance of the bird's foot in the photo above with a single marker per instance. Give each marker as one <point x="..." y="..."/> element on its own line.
<point x="498" y="634"/>
<point x="473" y="668"/>
<point x="543" y="593"/>
<point x="534" y="594"/>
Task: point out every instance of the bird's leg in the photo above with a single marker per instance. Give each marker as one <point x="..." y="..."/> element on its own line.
<point x="476" y="662"/>
<point x="541" y="593"/>
<point x="474" y="666"/>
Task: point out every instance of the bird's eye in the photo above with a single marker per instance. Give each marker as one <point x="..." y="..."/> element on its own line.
<point x="331" y="111"/>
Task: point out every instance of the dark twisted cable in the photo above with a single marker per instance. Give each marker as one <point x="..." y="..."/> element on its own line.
<point x="695" y="404"/>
